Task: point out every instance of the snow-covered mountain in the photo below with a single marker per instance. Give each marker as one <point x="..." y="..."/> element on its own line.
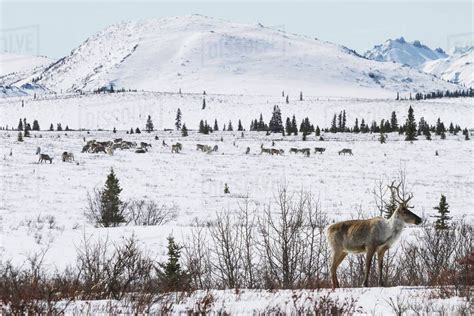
<point x="458" y="68"/>
<point x="399" y="50"/>
<point x="196" y="53"/>
<point x="14" y="68"/>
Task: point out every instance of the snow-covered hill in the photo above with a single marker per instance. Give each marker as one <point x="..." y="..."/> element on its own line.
<point x="458" y="68"/>
<point x="399" y="50"/>
<point x="196" y="53"/>
<point x="15" y="67"/>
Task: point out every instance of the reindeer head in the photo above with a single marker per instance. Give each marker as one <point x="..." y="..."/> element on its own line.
<point x="403" y="209"/>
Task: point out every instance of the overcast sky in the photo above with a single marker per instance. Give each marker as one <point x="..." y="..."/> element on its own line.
<point x="54" y="28"/>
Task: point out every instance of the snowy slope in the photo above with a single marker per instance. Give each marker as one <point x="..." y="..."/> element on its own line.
<point x="197" y="53"/>
<point x="14" y="67"/>
<point x="399" y="50"/>
<point x="14" y="63"/>
<point x="458" y="68"/>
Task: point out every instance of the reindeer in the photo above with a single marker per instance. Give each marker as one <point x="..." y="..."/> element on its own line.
<point x="176" y="148"/>
<point x="265" y="150"/>
<point x="345" y="151"/>
<point x="44" y="157"/>
<point x="110" y="150"/>
<point x="319" y="150"/>
<point x="374" y="235"/>
<point x="144" y="145"/>
<point x="294" y="150"/>
<point x="67" y="157"/>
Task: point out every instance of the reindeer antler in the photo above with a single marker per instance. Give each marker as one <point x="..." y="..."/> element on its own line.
<point x="396" y="193"/>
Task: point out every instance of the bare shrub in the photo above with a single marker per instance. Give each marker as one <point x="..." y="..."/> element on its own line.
<point x="111" y="271"/>
<point x="197" y="257"/>
<point x="291" y="240"/>
<point x="29" y="289"/>
<point x="148" y="213"/>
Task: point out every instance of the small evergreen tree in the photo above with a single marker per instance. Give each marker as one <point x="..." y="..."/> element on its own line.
<point x="294" y="127"/>
<point x="172" y="277"/>
<point x="178" y="120"/>
<point x="442" y="221"/>
<point x="333" y="124"/>
<point x="410" y="126"/>
<point x="276" y="124"/>
<point x="318" y="130"/>
<point x="137" y="131"/>
<point x="288" y="127"/>
<point x="240" y="127"/>
<point x="301" y="95"/>
<point x="131" y="130"/>
<point x="229" y="127"/>
<point x="20" y="125"/>
<point x="59" y="128"/>
<point x="20" y="137"/>
<point x="114" y="130"/>
<point x="356" y="128"/>
<point x="51" y="127"/>
<point x="149" y="124"/>
<point x="36" y="126"/>
<point x="287" y="99"/>
<point x="111" y="205"/>
<point x="391" y="206"/>
<point x="203" y="104"/>
<point x="216" y="126"/>
<point x="393" y="122"/>
<point x="184" y="131"/>
<point x="226" y="189"/>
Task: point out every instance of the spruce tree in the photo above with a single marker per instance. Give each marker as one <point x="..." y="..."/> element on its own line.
<point x="229" y="127"/>
<point x="294" y="127"/>
<point x="356" y="126"/>
<point x="173" y="278"/>
<point x="20" y="137"/>
<point x="301" y="95"/>
<point x="149" y="124"/>
<point x="288" y="127"/>
<point x="51" y="127"/>
<point x="203" y="104"/>
<point x="240" y="127"/>
<point x="287" y="99"/>
<point x="333" y="125"/>
<point x="391" y="206"/>
<point x="276" y="124"/>
<point x="111" y="205"/>
<point x="216" y="126"/>
<point x="393" y="122"/>
<point x="410" y="126"/>
<point x="59" y="127"/>
<point x="442" y="221"/>
<point x="201" y="127"/>
<point x="137" y="131"/>
<point x="36" y="126"/>
<point x="184" y="131"/>
<point x="318" y="131"/>
<point x="178" y="119"/>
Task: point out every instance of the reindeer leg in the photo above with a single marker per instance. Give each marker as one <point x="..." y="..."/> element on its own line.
<point x="380" y="255"/>
<point x="368" y="263"/>
<point x="336" y="261"/>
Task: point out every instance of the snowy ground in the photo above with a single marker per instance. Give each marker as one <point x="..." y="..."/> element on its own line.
<point x="371" y="301"/>
<point x="193" y="181"/>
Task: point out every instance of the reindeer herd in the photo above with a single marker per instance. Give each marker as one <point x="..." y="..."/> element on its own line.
<point x="108" y="147"/>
